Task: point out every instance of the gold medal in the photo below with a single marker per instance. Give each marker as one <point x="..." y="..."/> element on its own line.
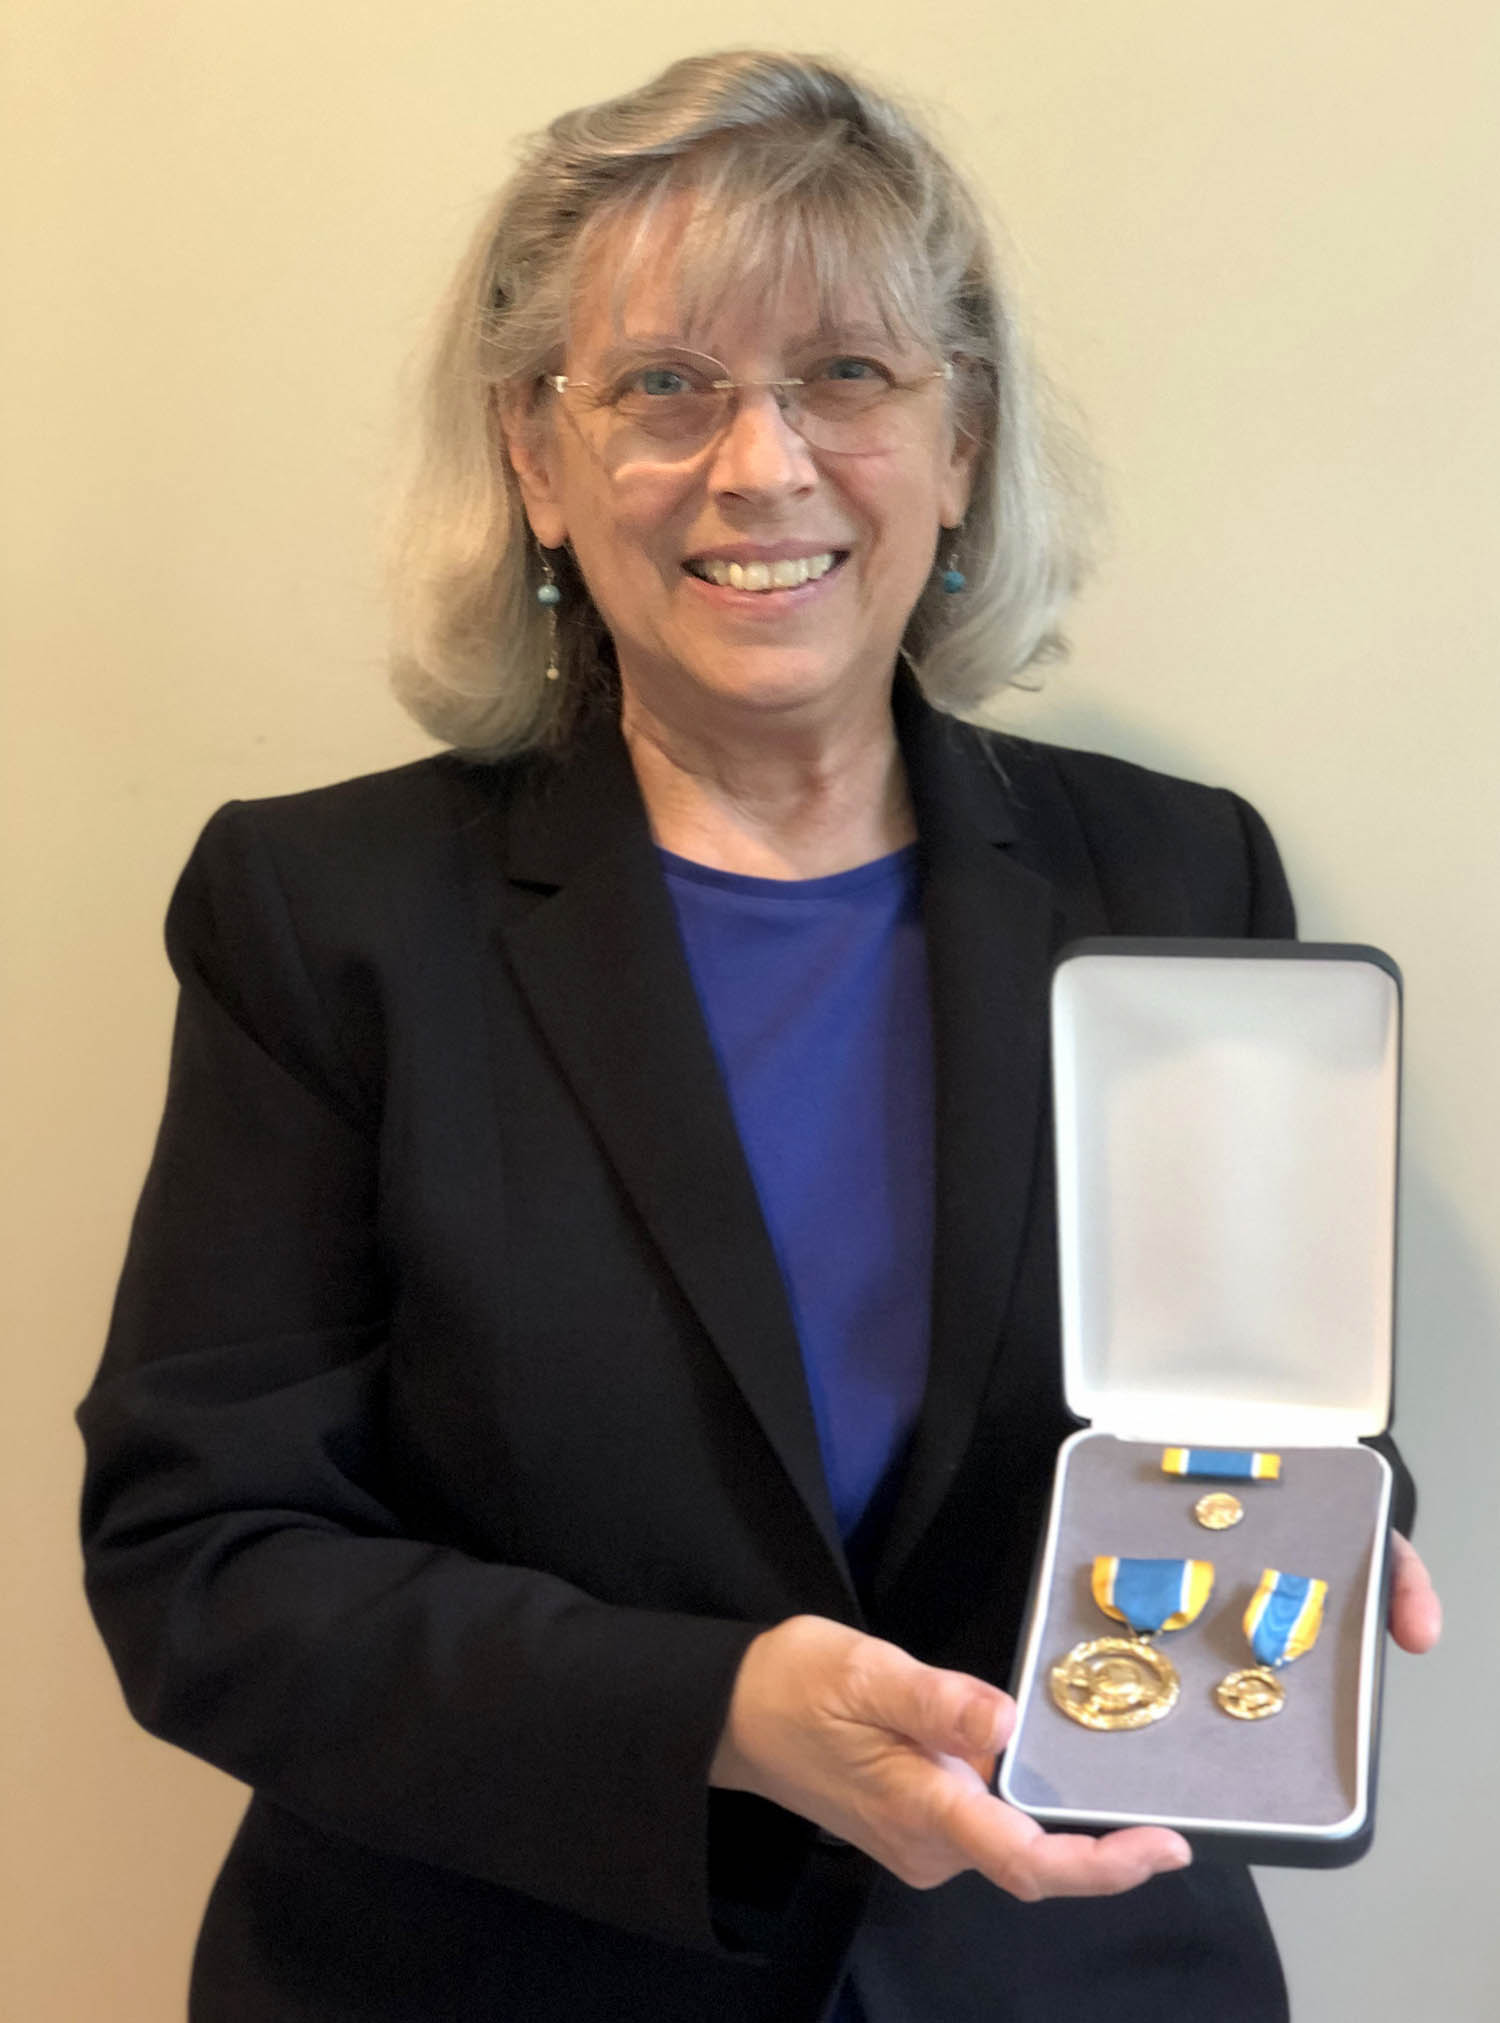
<point x="1251" y="1695"/>
<point x="1218" y="1510"/>
<point x="1121" y="1682"/>
<point x="1114" y="1682"/>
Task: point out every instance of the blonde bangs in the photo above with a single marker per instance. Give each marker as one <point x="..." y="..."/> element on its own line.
<point x="772" y="222"/>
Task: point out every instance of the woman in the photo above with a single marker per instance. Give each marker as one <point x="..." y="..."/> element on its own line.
<point x="585" y="1380"/>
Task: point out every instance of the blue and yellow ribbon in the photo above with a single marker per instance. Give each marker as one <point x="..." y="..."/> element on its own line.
<point x="1152" y="1594"/>
<point x="1221" y="1464"/>
<point x="1284" y="1616"/>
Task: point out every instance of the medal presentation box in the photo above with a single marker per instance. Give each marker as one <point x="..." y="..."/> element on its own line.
<point x="1226" y="1129"/>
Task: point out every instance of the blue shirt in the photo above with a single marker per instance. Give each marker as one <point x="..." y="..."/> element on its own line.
<point x="816" y="999"/>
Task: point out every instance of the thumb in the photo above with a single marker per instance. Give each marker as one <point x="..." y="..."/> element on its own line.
<point x="950" y="1712"/>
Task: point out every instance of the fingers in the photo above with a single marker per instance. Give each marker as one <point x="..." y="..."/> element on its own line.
<point x="949" y="1820"/>
<point x="948" y="1712"/>
<point x="1020" y="1857"/>
<point x="983" y="1767"/>
<point x="1416" y="1612"/>
<point x="1074" y="1865"/>
<point x="894" y="1756"/>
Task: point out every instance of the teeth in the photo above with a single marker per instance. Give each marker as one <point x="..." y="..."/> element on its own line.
<point x="783" y="575"/>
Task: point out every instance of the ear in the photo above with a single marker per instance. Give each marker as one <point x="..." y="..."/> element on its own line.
<point x="957" y="480"/>
<point x="528" y="442"/>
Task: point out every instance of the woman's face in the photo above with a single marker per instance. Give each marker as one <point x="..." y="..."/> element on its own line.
<point x="649" y="525"/>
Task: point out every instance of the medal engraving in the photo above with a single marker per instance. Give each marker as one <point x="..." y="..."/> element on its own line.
<point x="1251" y="1695"/>
<point x="1114" y="1682"/>
<point x="1218" y="1510"/>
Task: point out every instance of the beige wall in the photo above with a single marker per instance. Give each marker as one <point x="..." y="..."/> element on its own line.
<point x="1260" y="245"/>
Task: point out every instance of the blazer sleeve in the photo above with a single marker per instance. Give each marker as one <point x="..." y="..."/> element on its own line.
<point x="1271" y="914"/>
<point x="246" y="1563"/>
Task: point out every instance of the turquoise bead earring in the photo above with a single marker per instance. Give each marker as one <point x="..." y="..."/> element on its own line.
<point x="954" y="580"/>
<point x="549" y="597"/>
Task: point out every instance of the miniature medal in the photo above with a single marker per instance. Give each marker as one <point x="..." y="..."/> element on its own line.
<point x="1282" y="1622"/>
<point x="1218" y="1510"/>
<point x="1122" y="1682"/>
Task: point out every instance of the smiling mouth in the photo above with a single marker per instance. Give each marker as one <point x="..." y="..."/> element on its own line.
<point x="790" y="573"/>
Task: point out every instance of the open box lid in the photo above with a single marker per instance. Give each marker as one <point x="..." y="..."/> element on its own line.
<point x="1226" y="1120"/>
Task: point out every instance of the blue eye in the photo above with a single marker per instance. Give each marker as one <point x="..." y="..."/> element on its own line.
<point x="660" y="380"/>
<point x="859" y="371"/>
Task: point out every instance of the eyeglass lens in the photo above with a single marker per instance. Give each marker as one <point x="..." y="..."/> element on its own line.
<point x="828" y="413"/>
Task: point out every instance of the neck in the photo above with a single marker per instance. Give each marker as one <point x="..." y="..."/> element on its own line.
<point x="772" y="800"/>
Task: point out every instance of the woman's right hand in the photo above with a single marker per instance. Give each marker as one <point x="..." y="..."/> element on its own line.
<point x="895" y="1757"/>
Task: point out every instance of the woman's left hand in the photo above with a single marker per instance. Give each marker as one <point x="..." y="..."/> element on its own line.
<point x="1416" y="1617"/>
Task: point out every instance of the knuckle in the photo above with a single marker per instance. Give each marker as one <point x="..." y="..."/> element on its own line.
<point x="925" y="1870"/>
<point x="1021" y="1883"/>
<point x="854" y="1681"/>
<point x="941" y="1810"/>
<point x="870" y="1673"/>
<point x="923" y="1698"/>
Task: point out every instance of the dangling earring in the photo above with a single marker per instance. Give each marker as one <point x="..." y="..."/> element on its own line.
<point x="954" y="580"/>
<point x="549" y="597"/>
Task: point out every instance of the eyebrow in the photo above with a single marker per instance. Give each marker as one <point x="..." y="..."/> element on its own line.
<point x="636" y="343"/>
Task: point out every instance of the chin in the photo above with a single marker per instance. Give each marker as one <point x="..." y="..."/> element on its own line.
<point x="786" y="681"/>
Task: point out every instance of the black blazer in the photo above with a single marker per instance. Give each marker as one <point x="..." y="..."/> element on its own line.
<point x="451" y="1442"/>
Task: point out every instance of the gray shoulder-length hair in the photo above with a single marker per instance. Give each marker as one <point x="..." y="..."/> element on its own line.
<point x="792" y="168"/>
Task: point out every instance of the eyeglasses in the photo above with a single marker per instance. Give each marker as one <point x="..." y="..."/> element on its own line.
<point x="680" y="403"/>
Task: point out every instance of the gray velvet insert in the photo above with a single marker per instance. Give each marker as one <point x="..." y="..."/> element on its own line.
<point x="1298" y="1768"/>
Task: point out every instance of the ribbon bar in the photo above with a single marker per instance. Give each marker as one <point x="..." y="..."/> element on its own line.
<point x="1222" y="1464"/>
<point x="1284" y="1616"/>
<point x="1152" y="1594"/>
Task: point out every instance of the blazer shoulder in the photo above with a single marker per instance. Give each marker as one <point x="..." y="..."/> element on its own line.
<point x="1167" y="855"/>
<point x="1101" y="785"/>
<point x="297" y="912"/>
<point x="390" y="809"/>
<point x="350" y="853"/>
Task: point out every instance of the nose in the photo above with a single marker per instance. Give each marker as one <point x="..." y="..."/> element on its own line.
<point x="759" y="453"/>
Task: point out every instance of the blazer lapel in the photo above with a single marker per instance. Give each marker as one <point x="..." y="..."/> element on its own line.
<point x="597" y="954"/>
<point x="993" y="927"/>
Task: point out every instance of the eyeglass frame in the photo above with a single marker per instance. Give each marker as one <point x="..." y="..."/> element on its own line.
<point x="560" y="382"/>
